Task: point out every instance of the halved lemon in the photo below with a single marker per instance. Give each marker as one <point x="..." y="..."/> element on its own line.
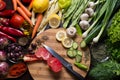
<point x="61" y="35"/>
<point x="67" y="42"/>
<point x="54" y="21"/>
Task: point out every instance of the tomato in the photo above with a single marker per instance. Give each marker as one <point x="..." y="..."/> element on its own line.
<point x="26" y="1"/>
<point x="16" y="21"/>
<point x="42" y="52"/>
<point x="54" y="64"/>
<point x="2" y="5"/>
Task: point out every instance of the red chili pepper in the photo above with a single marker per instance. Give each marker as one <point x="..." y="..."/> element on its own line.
<point x="7" y="13"/>
<point x="5" y="21"/>
<point x="7" y="36"/>
<point x="11" y="31"/>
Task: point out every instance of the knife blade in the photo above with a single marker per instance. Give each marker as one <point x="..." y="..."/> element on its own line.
<point x="65" y="63"/>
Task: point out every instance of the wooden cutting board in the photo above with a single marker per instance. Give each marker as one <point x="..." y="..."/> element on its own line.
<point x="40" y="71"/>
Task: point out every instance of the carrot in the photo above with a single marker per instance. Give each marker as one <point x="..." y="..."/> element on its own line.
<point x="39" y="20"/>
<point x="14" y="4"/>
<point x="21" y="12"/>
<point x="30" y="5"/>
<point x="27" y="12"/>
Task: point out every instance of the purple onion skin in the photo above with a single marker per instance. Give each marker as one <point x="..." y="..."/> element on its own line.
<point x="3" y="42"/>
<point x="4" y="67"/>
<point x="2" y="55"/>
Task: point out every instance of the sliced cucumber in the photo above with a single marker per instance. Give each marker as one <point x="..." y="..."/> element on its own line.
<point x="71" y="53"/>
<point x="78" y="58"/>
<point x="75" y="45"/>
<point x="79" y="53"/>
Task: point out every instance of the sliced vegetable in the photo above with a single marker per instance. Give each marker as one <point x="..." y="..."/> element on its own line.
<point x="60" y="35"/>
<point x="67" y="42"/>
<point x="42" y="53"/>
<point x="75" y="45"/>
<point x="54" y="64"/>
<point x="71" y="53"/>
<point x="78" y="58"/>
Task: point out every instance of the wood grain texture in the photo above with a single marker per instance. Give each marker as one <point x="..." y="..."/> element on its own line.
<point x="40" y="71"/>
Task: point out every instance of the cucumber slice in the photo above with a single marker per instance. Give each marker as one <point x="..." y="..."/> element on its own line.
<point x="78" y="58"/>
<point x="71" y="53"/>
<point x="79" y="53"/>
<point x="75" y="45"/>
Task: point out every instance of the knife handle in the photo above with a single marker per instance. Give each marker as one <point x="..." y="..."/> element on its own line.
<point x="79" y="77"/>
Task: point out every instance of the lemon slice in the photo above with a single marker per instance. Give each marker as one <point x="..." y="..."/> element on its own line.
<point x="61" y="35"/>
<point x="54" y="21"/>
<point x="67" y="42"/>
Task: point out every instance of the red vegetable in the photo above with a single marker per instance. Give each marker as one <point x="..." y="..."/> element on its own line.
<point x="11" y="31"/>
<point x="42" y="52"/>
<point x="30" y="58"/>
<point x="16" y="21"/>
<point x="2" y="5"/>
<point x="54" y="64"/>
<point x="7" y="36"/>
<point x="5" y="21"/>
<point x="7" y="13"/>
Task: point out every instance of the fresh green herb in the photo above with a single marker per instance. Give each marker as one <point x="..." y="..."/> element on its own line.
<point x="105" y="71"/>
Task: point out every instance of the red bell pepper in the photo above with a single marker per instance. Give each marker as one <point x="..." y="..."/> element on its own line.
<point x="7" y="36"/>
<point x="11" y="31"/>
<point x="7" y="13"/>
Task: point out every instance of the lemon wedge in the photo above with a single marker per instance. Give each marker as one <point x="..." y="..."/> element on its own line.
<point x="67" y="42"/>
<point x="54" y="21"/>
<point x="61" y="35"/>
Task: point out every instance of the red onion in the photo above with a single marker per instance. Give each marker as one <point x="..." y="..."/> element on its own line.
<point x="3" y="42"/>
<point x="3" y="69"/>
<point x="2" y="55"/>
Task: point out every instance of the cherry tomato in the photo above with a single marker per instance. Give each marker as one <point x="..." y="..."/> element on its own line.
<point x="54" y="64"/>
<point x="42" y="53"/>
<point x="2" y="5"/>
<point x="26" y="1"/>
<point x="16" y="21"/>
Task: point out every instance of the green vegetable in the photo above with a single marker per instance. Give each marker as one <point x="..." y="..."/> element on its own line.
<point x="78" y="58"/>
<point x="79" y="30"/>
<point x="71" y="53"/>
<point x="75" y="45"/>
<point x="90" y="36"/>
<point x="98" y="16"/>
<point x="105" y="71"/>
<point x="79" y="53"/>
<point x="64" y="3"/>
<point x="114" y="30"/>
<point x="81" y="66"/>
<point x="110" y="6"/>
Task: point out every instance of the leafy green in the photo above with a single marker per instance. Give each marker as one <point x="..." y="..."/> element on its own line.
<point x="114" y="30"/>
<point x="106" y="70"/>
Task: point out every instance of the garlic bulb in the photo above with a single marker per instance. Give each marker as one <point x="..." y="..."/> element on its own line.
<point x="84" y="24"/>
<point x="89" y="11"/>
<point x="71" y="31"/>
<point x="84" y="16"/>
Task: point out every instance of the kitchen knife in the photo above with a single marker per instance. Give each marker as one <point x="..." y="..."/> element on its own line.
<point x="65" y="63"/>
